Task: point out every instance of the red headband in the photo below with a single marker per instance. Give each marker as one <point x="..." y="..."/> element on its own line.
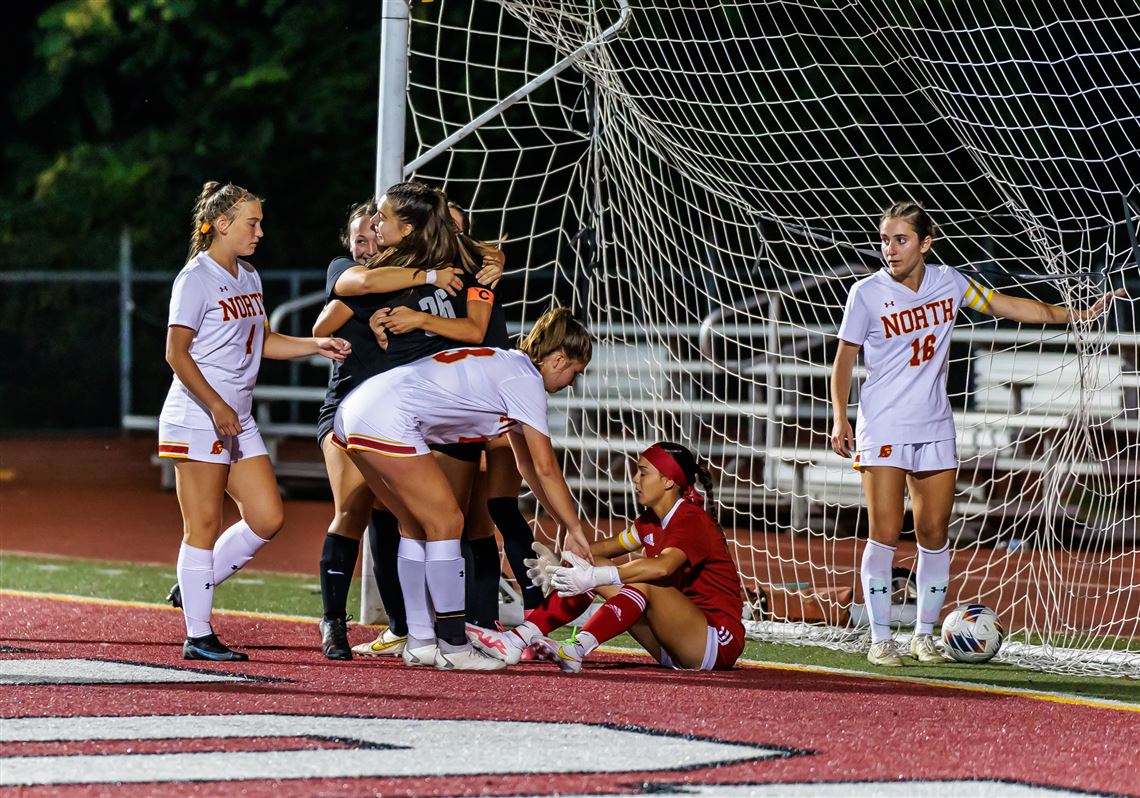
<point x="664" y="463"/>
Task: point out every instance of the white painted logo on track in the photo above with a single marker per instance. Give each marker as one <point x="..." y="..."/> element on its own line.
<point x="92" y="671"/>
<point x="384" y="747"/>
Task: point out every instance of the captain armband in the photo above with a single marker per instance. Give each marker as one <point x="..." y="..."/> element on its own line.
<point x="629" y="539"/>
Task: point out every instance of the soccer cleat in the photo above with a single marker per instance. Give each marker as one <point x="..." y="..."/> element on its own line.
<point x="209" y="647"/>
<point x="564" y="656"/>
<point x="495" y="644"/>
<point x="922" y="648"/>
<point x="422" y="657"/>
<point x="885" y="653"/>
<point x="334" y="638"/>
<point x="175" y="596"/>
<point x="467" y="658"/>
<point x="386" y="644"/>
<point x="529" y="655"/>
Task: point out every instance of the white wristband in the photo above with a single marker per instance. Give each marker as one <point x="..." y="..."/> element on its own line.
<point x="429" y="277"/>
<point x="606" y="575"/>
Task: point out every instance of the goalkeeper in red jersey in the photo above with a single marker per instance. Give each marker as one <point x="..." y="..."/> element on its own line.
<point x="681" y="601"/>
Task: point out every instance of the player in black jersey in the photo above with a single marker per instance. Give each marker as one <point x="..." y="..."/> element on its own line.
<point x="355" y="291"/>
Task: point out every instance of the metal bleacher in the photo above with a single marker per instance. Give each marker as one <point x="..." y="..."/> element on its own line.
<point x="769" y="441"/>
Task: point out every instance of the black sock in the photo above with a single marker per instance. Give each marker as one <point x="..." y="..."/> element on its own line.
<point x="470" y="595"/>
<point x="338" y="561"/>
<point x="517" y="540"/>
<point x="384" y="540"/>
<point x="483" y="583"/>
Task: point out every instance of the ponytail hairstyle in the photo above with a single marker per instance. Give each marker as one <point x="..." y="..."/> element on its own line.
<point x="363" y="210"/>
<point x="696" y="473"/>
<point x="216" y="200"/>
<point x="434" y="242"/>
<point x="913" y="214"/>
<point x="558" y="331"/>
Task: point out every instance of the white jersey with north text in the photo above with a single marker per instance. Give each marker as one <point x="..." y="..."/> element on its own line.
<point x="227" y="314"/>
<point x="905" y="336"/>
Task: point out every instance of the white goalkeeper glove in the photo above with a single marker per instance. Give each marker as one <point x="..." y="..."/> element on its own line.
<point x="536" y="567"/>
<point x="579" y="576"/>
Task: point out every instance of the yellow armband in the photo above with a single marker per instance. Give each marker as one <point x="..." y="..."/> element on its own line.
<point x="629" y="539"/>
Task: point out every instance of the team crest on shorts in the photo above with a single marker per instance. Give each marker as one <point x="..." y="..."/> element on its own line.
<point x="216" y="448"/>
<point x="884" y="451"/>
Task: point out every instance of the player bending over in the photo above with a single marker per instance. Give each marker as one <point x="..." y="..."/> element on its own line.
<point x="681" y="601"/>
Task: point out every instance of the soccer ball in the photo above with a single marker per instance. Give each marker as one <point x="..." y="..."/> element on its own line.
<point x="972" y="633"/>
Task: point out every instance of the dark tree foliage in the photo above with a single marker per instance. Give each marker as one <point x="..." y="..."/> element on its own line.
<point x="117" y="112"/>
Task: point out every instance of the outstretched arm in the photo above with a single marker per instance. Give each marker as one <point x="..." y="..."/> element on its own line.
<point x="286" y="347"/>
<point x="538" y="465"/>
<point x="1033" y="311"/>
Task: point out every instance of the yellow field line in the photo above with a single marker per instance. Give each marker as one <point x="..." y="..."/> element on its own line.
<point x="1021" y="692"/>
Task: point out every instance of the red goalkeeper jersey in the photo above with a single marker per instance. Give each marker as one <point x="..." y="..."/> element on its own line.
<point x="709" y="576"/>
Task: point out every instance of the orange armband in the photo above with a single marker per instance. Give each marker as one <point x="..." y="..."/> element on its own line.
<point x="477" y="294"/>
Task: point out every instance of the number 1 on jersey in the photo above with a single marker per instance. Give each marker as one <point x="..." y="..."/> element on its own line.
<point x="923" y="350"/>
<point x="249" y="341"/>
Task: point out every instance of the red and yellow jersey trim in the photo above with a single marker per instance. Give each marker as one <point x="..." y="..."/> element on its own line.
<point x="364" y="443"/>
<point x="174" y="449"/>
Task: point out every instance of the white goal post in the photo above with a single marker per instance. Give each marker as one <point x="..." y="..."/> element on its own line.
<point x="701" y="182"/>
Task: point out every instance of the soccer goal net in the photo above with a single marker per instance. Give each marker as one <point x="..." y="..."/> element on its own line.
<point x="702" y="182"/>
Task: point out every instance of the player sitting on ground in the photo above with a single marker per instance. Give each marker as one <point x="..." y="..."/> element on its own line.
<point x="681" y="601"/>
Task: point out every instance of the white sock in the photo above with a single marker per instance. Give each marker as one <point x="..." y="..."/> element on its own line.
<point x="876" y="576"/>
<point x="196" y="580"/>
<point x="444" y="566"/>
<point x="413" y="584"/>
<point x="932" y="579"/>
<point x="586" y="643"/>
<point x="234" y="549"/>
<point x="524" y="634"/>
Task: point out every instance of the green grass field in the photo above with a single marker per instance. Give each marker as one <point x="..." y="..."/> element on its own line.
<point x="291" y="594"/>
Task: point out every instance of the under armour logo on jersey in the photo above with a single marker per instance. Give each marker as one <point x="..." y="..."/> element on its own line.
<point x="209" y="585"/>
<point x="235" y="567"/>
<point x="884" y="590"/>
<point x="223" y="289"/>
<point x="890" y="304"/>
<point x="937" y="589"/>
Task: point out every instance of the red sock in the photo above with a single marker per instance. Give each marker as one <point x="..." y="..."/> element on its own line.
<point x="556" y="611"/>
<point x="616" y="615"/>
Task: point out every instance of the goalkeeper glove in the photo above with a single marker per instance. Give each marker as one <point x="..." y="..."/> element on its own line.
<point x="579" y="576"/>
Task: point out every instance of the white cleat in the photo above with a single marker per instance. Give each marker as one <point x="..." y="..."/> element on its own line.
<point x="564" y="656"/>
<point x="467" y="659"/>
<point x="495" y="644"/>
<point x="885" y="653"/>
<point x="923" y="649"/>
<point x="422" y="657"/>
<point x="387" y="644"/>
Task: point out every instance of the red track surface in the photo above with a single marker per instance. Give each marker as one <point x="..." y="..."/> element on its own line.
<point x="841" y="728"/>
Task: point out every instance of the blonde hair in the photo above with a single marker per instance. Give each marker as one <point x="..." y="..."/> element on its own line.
<point x="217" y="199"/>
<point x="913" y="214"/>
<point x="558" y="331"/>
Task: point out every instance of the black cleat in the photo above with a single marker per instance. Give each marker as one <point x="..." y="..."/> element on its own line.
<point x="175" y="596"/>
<point x="334" y="638"/>
<point x="211" y="648"/>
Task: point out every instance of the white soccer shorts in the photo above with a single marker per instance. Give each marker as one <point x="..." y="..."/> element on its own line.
<point x="206" y="446"/>
<point x="911" y="457"/>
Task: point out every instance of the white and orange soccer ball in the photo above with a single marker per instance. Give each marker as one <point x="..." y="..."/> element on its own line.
<point x="972" y="633"/>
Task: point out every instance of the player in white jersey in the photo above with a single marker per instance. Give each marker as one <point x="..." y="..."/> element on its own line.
<point x="459" y="395"/>
<point x="215" y="341"/>
<point x="902" y="318"/>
